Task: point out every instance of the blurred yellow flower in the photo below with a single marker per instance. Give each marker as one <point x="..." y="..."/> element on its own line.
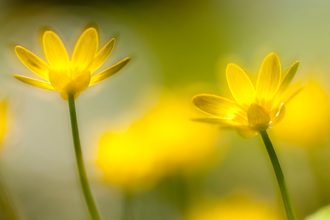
<point x="163" y="142"/>
<point x="253" y="110"/>
<point x="308" y="127"/>
<point x="65" y="75"/>
<point x="233" y="208"/>
<point x="3" y="118"/>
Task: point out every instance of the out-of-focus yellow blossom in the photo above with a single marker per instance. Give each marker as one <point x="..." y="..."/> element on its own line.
<point x="233" y="208"/>
<point x="3" y="118"/>
<point x="65" y="75"/>
<point x="308" y="117"/>
<point x="163" y="142"/>
<point x="254" y="110"/>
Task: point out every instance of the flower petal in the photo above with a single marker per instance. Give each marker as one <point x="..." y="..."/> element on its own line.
<point x="246" y="132"/>
<point x="109" y="72"/>
<point x="240" y="85"/>
<point x="277" y="115"/>
<point x="34" y="82"/>
<point x="31" y="61"/>
<point x="293" y="92"/>
<point x="268" y="78"/>
<point x="55" y="51"/>
<point x="85" y="49"/>
<point x="102" y="55"/>
<point x="223" y="123"/>
<point x="216" y="105"/>
<point x="286" y="82"/>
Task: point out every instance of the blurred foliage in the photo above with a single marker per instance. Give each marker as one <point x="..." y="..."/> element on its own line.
<point x="322" y="214"/>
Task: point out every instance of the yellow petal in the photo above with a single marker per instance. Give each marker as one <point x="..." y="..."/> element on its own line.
<point x="258" y="117"/>
<point x="109" y="72"/>
<point x="277" y="115"/>
<point x="60" y="80"/>
<point x="240" y="85"/>
<point x="31" y="61"/>
<point x="223" y="123"/>
<point x="85" y="49"/>
<point x="286" y="82"/>
<point x="34" y="82"/>
<point x="55" y="51"/>
<point x="102" y="55"/>
<point x="216" y="105"/>
<point x="246" y="132"/>
<point x="64" y="84"/>
<point x="82" y="81"/>
<point x="268" y="78"/>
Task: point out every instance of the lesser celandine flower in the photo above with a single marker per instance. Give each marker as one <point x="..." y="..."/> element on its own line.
<point x="67" y="75"/>
<point x="255" y="109"/>
<point x="3" y="118"/>
<point x="163" y="142"/>
<point x="7" y="208"/>
<point x="236" y="207"/>
<point x="70" y="77"/>
<point x="311" y="132"/>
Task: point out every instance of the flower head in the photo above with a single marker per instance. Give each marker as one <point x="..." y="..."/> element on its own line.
<point x="3" y="118"/>
<point x="254" y="109"/>
<point x="313" y="131"/>
<point x="67" y="75"/>
<point x="163" y="142"/>
<point x="233" y="207"/>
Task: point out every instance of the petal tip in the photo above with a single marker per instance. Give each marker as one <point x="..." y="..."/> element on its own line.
<point x="18" y="50"/>
<point x="232" y="66"/>
<point x="273" y="55"/>
<point x="194" y="99"/>
<point x="47" y="33"/>
<point x="91" y="30"/>
<point x="18" y="47"/>
<point x="297" y="63"/>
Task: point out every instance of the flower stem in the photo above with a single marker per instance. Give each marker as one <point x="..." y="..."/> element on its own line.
<point x="80" y="161"/>
<point x="128" y="212"/>
<point x="279" y="175"/>
<point x="7" y="208"/>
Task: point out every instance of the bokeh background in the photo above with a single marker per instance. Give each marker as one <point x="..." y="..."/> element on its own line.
<point x="144" y="155"/>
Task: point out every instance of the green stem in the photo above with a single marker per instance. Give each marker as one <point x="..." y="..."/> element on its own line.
<point x="7" y="208"/>
<point x="279" y="175"/>
<point x="127" y="213"/>
<point x="80" y="162"/>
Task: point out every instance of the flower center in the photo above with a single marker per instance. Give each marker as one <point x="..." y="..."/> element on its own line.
<point x="258" y="117"/>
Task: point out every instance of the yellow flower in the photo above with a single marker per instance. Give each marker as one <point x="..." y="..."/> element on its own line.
<point x="165" y="141"/>
<point x="3" y="118"/>
<point x="314" y="129"/>
<point x="254" y="109"/>
<point x="235" y="207"/>
<point x="65" y="75"/>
